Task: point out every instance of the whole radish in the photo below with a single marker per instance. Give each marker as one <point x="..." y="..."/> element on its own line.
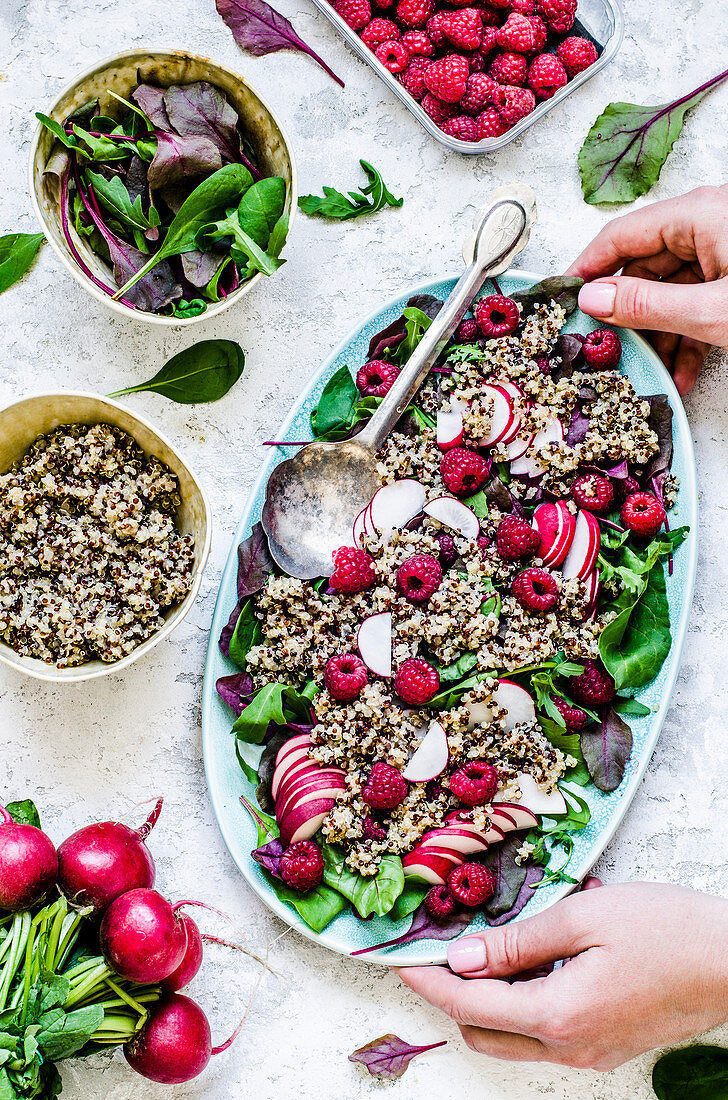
<point x="191" y="960"/>
<point x="141" y="936"/>
<point x="28" y="864"/>
<point x="175" y="1044"/>
<point x="103" y="861"/>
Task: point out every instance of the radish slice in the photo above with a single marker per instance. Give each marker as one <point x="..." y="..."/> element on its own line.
<point x="516" y="700"/>
<point x="537" y="800"/>
<point x="513" y="394"/>
<point x="502" y="417"/>
<point x="396" y="504"/>
<point x="455" y="838"/>
<point x="454" y="514"/>
<point x="592" y="592"/>
<point x="552" y="432"/>
<point x="359" y="529"/>
<point x="518" y="446"/>
<point x="520" y="815"/>
<point x="374" y="641"/>
<point x="480" y="715"/>
<point x="430" y="757"/>
<point x="555" y="524"/>
<point x="584" y="548"/>
<point x="450" y="425"/>
<point x="367" y="520"/>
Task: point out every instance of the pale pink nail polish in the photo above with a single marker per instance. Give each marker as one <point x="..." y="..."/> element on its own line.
<point x="597" y="299"/>
<point x="466" y="956"/>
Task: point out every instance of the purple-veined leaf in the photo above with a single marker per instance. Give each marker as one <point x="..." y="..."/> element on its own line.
<point x="387" y="1057"/>
<point x="254" y="563"/>
<point x="201" y="110"/>
<point x="150" y="100"/>
<point x="424" y="927"/>
<point x="229" y="629"/>
<point x="180" y="159"/>
<point x="606" y="750"/>
<point x="269" y="856"/>
<point x="235" y="690"/>
<point x="260" y="29"/>
<point x="532" y="877"/>
<point x="578" y="428"/>
<point x="660" y="421"/>
<point x="509" y="875"/>
<point x="199" y="267"/>
<point x="136" y="179"/>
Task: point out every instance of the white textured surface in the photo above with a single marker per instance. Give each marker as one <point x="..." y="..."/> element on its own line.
<point x="94" y="750"/>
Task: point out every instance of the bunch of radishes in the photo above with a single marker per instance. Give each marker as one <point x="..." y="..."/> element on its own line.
<point x="106" y="871"/>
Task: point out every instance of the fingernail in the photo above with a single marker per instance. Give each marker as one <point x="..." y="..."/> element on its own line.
<point x="465" y="956"/>
<point x="597" y="299"/>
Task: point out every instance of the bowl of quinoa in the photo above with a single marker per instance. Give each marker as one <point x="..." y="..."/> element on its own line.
<point x="104" y="536"/>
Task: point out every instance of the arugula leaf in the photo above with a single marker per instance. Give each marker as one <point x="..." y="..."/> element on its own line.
<point x="205" y="371"/>
<point x="450" y="674"/>
<point x="370" y="894"/>
<point x="373" y="197"/>
<point x="113" y="194"/>
<point x="336" y="405"/>
<point x="417" y="323"/>
<point x="24" y="813"/>
<point x="559" y="835"/>
<point x="17" y="252"/>
<point x="698" y="1072"/>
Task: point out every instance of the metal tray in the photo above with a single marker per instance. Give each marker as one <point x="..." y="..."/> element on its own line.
<point x="600" y="20"/>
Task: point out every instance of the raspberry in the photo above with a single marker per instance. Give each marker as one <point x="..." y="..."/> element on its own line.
<point x="418" y="577"/>
<point x="536" y="590"/>
<point x="418" y="44"/>
<point x="558" y="14"/>
<point x="643" y="513"/>
<point x="447" y="78"/>
<point x="439" y="902"/>
<point x="471" y="884"/>
<point x="516" y="539"/>
<point x="546" y="75"/>
<point x="345" y="675"/>
<point x="523" y="7"/>
<point x="594" y="686"/>
<point x="415" y="13"/>
<point x="490" y="124"/>
<point x="491" y="17"/>
<point x="357" y="13"/>
<point x="541" y="32"/>
<point x="302" y="865"/>
<point x="436" y="109"/>
<point x="385" y="788"/>
<point x="576" y="54"/>
<point x="354" y="570"/>
<point x="372" y="830"/>
<point x="378" y="31"/>
<point x="509" y="69"/>
<point x="434" y="30"/>
<point x="416" y="682"/>
<point x="463" y="471"/>
<point x="467" y="331"/>
<point x="499" y="3"/>
<point x="593" y="492"/>
<point x="463" y="28"/>
<point x="602" y="348"/>
<point x="482" y="543"/>
<point x="376" y="378"/>
<point x="475" y="783"/>
<point x="448" y="550"/>
<point x="393" y="55"/>
<point x="624" y="487"/>
<point x="413" y="78"/>
<point x="497" y="315"/>
<point x="477" y="95"/>
<point x="574" y="717"/>
<point x="513" y="104"/>
<point x="476" y="62"/>
<point x="517" y="35"/>
<point x="462" y="127"/>
<point x="488" y="42"/>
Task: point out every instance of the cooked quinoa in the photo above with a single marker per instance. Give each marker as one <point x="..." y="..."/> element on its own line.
<point x="90" y="557"/>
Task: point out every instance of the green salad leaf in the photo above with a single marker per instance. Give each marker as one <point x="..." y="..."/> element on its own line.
<point x="333" y="414"/>
<point x="374" y="196"/>
<point x="247" y="633"/>
<point x="17" y="252"/>
<point x="204" y="372"/>
<point x="371" y="894"/>
<point x="697" y="1072"/>
<point x="277" y="703"/>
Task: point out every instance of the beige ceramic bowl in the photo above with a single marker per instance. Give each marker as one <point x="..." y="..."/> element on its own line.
<point x="22" y="422"/>
<point x="121" y="74"/>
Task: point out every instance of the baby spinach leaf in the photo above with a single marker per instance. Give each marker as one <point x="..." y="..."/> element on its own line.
<point x="697" y="1072"/>
<point x="273" y="703"/>
<point x="24" y="813"/>
<point x="203" y="372"/>
<point x="368" y="894"/>
<point x="410" y="899"/>
<point x="336" y="405"/>
<point x="188" y="309"/>
<point x="450" y="674"/>
<point x="260" y="29"/>
<point x="634" y="645"/>
<point x="17" y="252"/>
<point x="247" y="633"/>
<point x="478" y="503"/>
<point x="387" y="1057"/>
<point x="606" y="750"/>
<point x="562" y="289"/>
<point x="631" y="707"/>
<point x="624" y="151"/>
<point x="374" y="196"/>
<point x="317" y="907"/>
<point x="243" y="249"/>
<point x="260" y="208"/>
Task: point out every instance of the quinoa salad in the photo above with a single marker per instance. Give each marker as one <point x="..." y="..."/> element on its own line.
<point x="429" y="712"/>
<point x="90" y="555"/>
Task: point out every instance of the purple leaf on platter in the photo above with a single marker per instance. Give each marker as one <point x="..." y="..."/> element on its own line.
<point x="660" y="421"/>
<point x="200" y="267"/>
<point x="606" y="750"/>
<point x="182" y="158"/>
<point x="254" y="563"/>
<point x="509" y="875"/>
<point x="260" y="29"/>
<point x="269" y="857"/>
<point x="228" y="630"/>
<point x="578" y="428"/>
<point x="424" y="927"/>
<point x="234" y="690"/>
<point x="387" y="1057"/>
<point x="533" y="876"/>
<point x="150" y="100"/>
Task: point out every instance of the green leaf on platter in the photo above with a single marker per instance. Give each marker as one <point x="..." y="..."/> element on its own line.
<point x="317" y="907"/>
<point x="373" y="197"/>
<point x="368" y="894"/>
<point x="570" y="745"/>
<point x="24" y="813"/>
<point x="562" y="289"/>
<point x="697" y="1072"/>
<point x="192" y="308"/>
<point x="410" y="899"/>
<point x="336" y="405"/>
<point x="451" y="674"/>
<point x="277" y="703"/>
<point x="606" y="749"/>
<point x="417" y="323"/>
<point x="631" y="707"/>
<point x="57" y="130"/>
<point x="247" y="633"/>
<point x="100" y="149"/>
<point x="634" y="645"/>
<point x="17" y="252"/>
<point x="204" y="372"/>
<point x="478" y="503"/>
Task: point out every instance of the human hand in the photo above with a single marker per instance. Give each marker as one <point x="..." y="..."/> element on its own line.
<point x="674" y="283"/>
<point x="647" y="967"/>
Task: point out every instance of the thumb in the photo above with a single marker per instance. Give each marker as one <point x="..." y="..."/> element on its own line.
<point x="699" y="310"/>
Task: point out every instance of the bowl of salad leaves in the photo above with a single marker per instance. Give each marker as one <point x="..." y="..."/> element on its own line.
<point x="165" y="185"/>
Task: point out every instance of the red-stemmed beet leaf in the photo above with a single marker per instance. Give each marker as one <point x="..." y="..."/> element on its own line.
<point x="425" y="927"/>
<point x="606" y="750"/>
<point x="387" y="1057"/>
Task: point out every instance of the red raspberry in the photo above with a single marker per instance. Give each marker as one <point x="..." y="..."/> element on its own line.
<point x="415" y="13"/>
<point x="372" y="830"/>
<point x="546" y="75"/>
<point x="463" y="28"/>
<point x="602" y="348"/>
<point x="541" y="32"/>
<point x="354" y="570"/>
<point x="476" y="62"/>
<point x="436" y="109"/>
<point x="516" y="539"/>
<point x="434" y="30"/>
<point x="536" y="590"/>
<point x="490" y="124"/>
<point x="345" y="675"/>
<point x="574" y="717"/>
<point x="302" y="865"/>
<point x="509" y="69"/>
<point x="357" y="13"/>
<point x="523" y="7"/>
<point x="448" y="78"/>
<point x="517" y="35"/>
<point x="413" y="77"/>
<point x="497" y="315"/>
<point x="576" y="54"/>
<point x="463" y="471"/>
<point x="558" y="14"/>
<point x="643" y="513"/>
<point x="499" y="3"/>
<point x="393" y="55"/>
<point x="448" y="550"/>
<point x="491" y="17"/>
<point x="462" y="127"/>
<point x="475" y="783"/>
<point x="593" y="492"/>
<point x="416" y="682"/>
<point x="594" y="686"/>
<point x="439" y="902"/>
<point x="477" y="94"/>
<point x="418" y="44"/>
<point x="418" y="577"/>
<point x="488" y="42"/>
<point x="467" y="331"/>
<point x="514" y="104"/>
<point x="624" y="487"/>
<point x="385" y="788"/>
<point x="378" y="31"/>
<point x="471" y="884"/>
<point x="376" y="378"/>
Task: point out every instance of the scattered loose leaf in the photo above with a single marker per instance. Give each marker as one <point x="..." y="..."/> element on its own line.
<point x="334" y="204"/>
<point x="260" y="29"/>
<point x="17" y="252"/>
<point x="203" y="372"/>
<point x="387" y="1057"/>
<point x="692" y="1073"/>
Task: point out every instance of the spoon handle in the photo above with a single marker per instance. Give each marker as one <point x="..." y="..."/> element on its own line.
<point x="501" y="230"/>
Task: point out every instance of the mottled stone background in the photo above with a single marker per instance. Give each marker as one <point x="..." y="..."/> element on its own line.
<point x="93" y="751"/>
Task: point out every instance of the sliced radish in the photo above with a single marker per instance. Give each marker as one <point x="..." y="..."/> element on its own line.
<point x="502" y="417"/>
<point x="555" y="524"/>
<point x="584" y="549"/>
<point x="430" y="757"/>
<point x="294" y="797"/>
<point x="305" y="821"/>
<point x="450" y="425"/>
<point x="518" y="446"/>
<point x="374" y="641"/>
<point x="359" y="530"/>
<point x="494" y="834"/>
<point x="522" y="816"/>
<point x="592" y="592"/>
<point x="298" y="779"/>
<point x="516" y="701"/>
<point x="526" y="466"/>
<point x="455" y="838"/>
<point x="422" y="865"/>
<point x="295" y="763"/>
<point x="504" y="820"/>
<point x="514" y="390"/>
<point x="454" y="514"/>
<point x="367" y="521"/>
<point x="513" y="395"/>
<point x="537" y="800"/>
<point x="394" y="505"/>
<point x="480" y="715"/>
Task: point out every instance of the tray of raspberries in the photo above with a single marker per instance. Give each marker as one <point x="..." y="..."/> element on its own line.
<point x="478" y="74"/>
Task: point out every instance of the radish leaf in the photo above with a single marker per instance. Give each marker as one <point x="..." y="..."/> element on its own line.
<point x="260" y="29"/>
<point x="387" y="1057"/>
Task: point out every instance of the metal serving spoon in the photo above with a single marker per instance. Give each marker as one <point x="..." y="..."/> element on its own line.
<point x="312" y="499"/>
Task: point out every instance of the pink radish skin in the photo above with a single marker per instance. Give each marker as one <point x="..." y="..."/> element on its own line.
<point x="191" y="960"/>
<point x="175" y="1044"/>
<point x="28" y="864"/>
<point x="100" y="862"/>
<point x="141" y="936"/>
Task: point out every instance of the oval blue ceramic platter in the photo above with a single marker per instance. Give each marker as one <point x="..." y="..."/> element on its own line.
<point x="225" y="779"/>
